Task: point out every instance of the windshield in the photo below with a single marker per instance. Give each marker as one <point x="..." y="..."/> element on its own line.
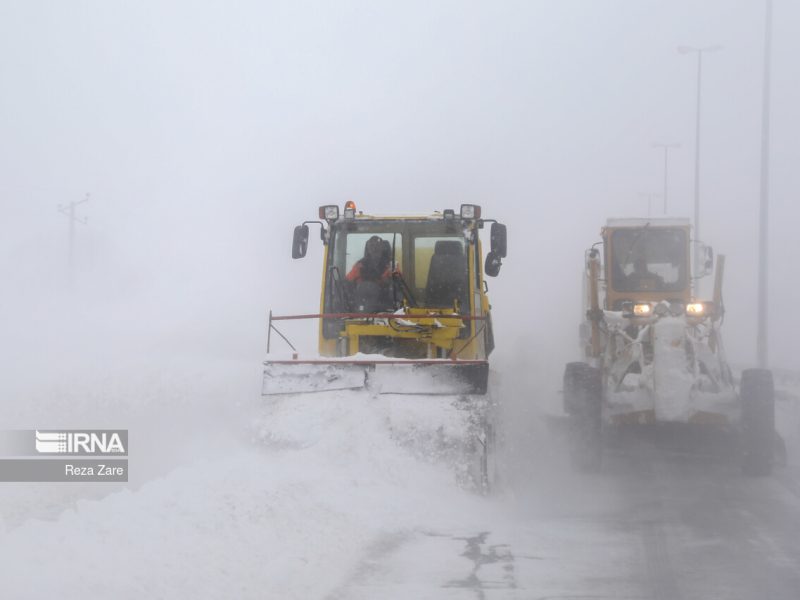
<point x="377" y="266"/>
<point x="646" y="259"/>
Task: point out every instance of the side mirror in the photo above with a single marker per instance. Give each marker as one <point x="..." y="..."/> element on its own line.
<point x="493" y="264"/>
<point x="498" y="240"/>
<point x="300" y="241"/>
<point x="705" y="260"/>
<point x="708" y="253"/>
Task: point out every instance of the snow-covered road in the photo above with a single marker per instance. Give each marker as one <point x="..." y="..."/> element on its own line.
<point x="650" y="526"/>
<point x="235" y="497"/>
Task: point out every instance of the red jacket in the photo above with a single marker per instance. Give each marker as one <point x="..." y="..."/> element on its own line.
<point x="355" y="273"/>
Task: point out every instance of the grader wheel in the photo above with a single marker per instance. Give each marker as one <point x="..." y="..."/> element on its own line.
<point x="757" y="393"/>
<point x="586" y="402"/>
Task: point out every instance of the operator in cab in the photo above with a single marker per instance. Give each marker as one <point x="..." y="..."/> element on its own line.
<point x="371" y="277"/>
<point x="642" y="278"/>
<point x="376" y="264"/>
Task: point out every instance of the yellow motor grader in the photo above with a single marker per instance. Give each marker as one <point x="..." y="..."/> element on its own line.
<point x="403" y="311"/>
<point x="652" y="349"/>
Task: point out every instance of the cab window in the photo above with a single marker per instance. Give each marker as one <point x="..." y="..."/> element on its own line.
<point x="645" y="260"/>
<point x="440" y="271"/>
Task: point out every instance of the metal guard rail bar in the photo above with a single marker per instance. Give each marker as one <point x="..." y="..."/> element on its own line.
<point x="390" y="316"/>
<point x="368" y="363"/>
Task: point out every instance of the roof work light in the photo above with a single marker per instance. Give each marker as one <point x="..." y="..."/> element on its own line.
<point x="470" y="211"/>
<point x="329" y="212"/>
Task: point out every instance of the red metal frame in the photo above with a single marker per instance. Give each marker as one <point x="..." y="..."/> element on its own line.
<point x="367" y="363"/>
<point x="390" y="316"/>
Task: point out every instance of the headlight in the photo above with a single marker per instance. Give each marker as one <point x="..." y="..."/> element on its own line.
<point x="642" y="310"/>
<point x="470" y="211"/>
<point x="329" y="212"/>
<point x="696" y="309"/>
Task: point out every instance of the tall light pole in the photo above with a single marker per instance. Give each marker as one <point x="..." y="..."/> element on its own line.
<point x="650" y="196"/>
<point x="699" y="52"/>
<point x="666" y="148"/>
<point x="763" y="212"/>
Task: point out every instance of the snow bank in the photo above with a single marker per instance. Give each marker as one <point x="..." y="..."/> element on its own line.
<point x="285" y="508"/>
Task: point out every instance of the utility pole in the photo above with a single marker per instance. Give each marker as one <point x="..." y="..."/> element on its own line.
<point x="666" y="148"/>
<point x="763" y="212"/>
<point x="69" y="211"/>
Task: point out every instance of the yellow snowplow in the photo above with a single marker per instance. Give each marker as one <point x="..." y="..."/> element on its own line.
<point x="652" y="347"/>
<point x="417" y="305"/>
<point x="403" y="309"/>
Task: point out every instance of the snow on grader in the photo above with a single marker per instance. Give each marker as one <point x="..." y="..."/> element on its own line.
<point x="404" y="315"/>
<point x="653" y="352"/>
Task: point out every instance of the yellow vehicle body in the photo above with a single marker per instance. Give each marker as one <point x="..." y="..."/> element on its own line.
<point x="426" y="306"/>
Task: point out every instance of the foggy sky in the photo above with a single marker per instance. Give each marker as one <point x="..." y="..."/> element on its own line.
<point x="205" y="131"/>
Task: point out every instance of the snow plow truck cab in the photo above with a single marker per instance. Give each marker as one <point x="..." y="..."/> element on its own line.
<point x="425" y="309"/>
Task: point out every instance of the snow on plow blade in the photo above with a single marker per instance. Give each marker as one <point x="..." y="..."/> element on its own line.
<point x="431" y="376"/>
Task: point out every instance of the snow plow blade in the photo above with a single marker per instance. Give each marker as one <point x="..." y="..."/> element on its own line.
<point x="430" y="376"/>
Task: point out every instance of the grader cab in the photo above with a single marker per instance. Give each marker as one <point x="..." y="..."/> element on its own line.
<point x="652" y="346"/>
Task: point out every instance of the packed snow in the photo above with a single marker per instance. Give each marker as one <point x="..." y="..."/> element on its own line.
<point x="314" y="496"/>
<point x="255" y="498"/>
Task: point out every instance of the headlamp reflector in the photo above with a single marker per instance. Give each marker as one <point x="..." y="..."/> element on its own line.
<point x="696" y="309"/>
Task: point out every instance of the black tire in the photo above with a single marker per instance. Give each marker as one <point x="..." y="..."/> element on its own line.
<point x="573" y="374"/>
<point x="587" y="420"/>
<point x="757" y="395"/>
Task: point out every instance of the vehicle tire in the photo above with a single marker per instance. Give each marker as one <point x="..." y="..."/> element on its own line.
<point x="587" y="420"/>
<point x="757" y="395"/>
<point x="574" y="372"/>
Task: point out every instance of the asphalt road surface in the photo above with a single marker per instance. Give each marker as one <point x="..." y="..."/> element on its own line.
<point x="654" y="524"/>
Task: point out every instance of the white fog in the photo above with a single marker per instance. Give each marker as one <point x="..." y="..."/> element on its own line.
<point x="203" y="132"/>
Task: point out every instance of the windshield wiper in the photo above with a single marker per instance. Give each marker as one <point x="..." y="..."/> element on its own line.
<point x="633" y="244"/>
<point x="397" y="277"/>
